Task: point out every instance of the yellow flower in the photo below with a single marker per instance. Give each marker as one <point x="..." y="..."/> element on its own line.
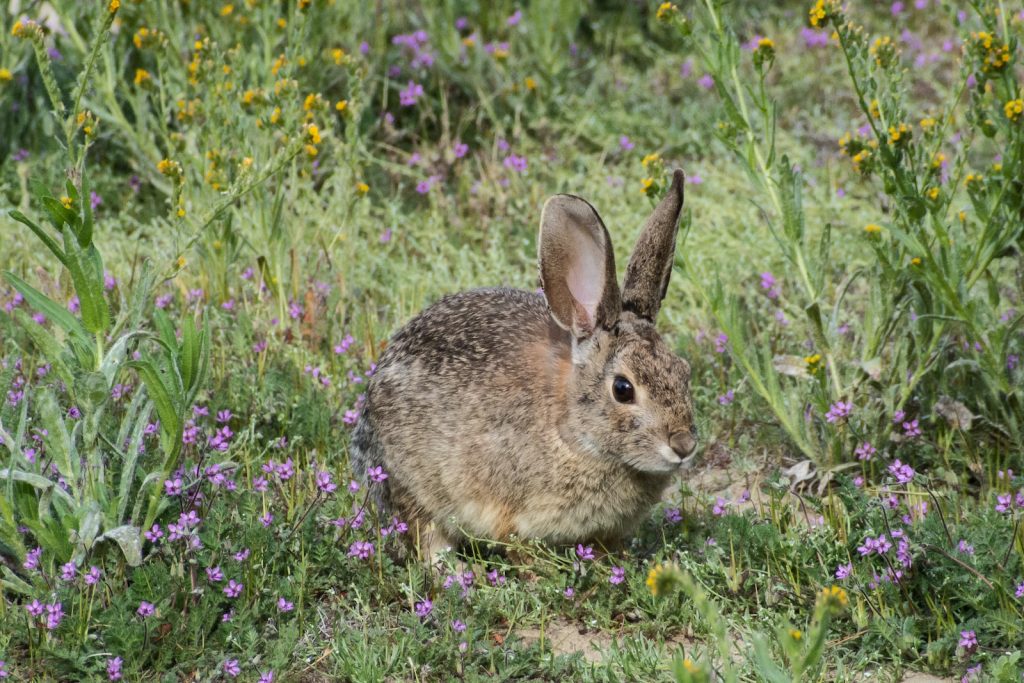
<point x="859" y="158"/>
<point x="168" y="167"/>
<point x="938" y="159"/>
<point x="282" y="22"/>
<point x="872" y="228"/>
<point x="311" y="150"/>
<point x="875" y="111"/>
<point x="278" y="63"/>
<point x="66" y="201"/>
<point x="182" y="262"/>
<point x="662" y="578"/>
<point x="341" y="105"/>
<point x="1014" y="108"/>
<point x="5" y="75"/>
<point x="530" y="83"/>
<point x="649" y="159"/>
<point x="645" y="185"/>
<point x="362" y="188"/>
<point x="766" y="43"/>
<point x="813" y="363"/>
<point x="275" y="115"/>
<point x="18" y="30"/>
<point x="835" y="596"/>
<point x="927" y="123"/>
<point x="816" y="15"/>
<point x="915" y="261"/>
<point x="652" y="579"/>
<point x="314" y="134"/>
<point x="310" y="102"/>
<point x="246" y="162"/>
<point x="897" y="133"/>
<point x="933" y="193"/>
<point x="665" y="10"/>
<point x="973" y="178"/>
<point x="226" y="10"/>
<point x="141" y="76"/>
<point x="303" y="4"/>
<point x="181" y="212"/>
<point x="469" y="41"/>
<point x="248" y="96"/>
<point x="114" y="6"/>
<point x="796" y="634"/>
<point x="500" y="53"/>
<point x="337" y="54"/>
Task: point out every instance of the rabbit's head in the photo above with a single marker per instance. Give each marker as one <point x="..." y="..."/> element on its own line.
<point x="627" y="395"/>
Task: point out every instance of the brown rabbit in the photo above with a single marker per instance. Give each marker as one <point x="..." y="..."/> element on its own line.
<point x="560" y="416"/>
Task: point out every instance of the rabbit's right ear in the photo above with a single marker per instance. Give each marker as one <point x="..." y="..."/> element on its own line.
<point x="577" y="266"/>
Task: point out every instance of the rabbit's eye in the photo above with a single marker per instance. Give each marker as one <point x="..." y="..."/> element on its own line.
<point x="622" y="390"/>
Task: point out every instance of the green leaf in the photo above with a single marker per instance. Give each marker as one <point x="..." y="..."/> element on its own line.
<point x="48" y="307"/>
<point x="60" y="215"/>
<point x="40" y="483"/>
<point x="168" y="406"/>
<point x="58" y="441"/>
<point x="85" y="234"/>
<point x="50" y="243"/>
<point x="129" y="539"/>
<point x="87" y="273"/>
<point x="47" y="344"/>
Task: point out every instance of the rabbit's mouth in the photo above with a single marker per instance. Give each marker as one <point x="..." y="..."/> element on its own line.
<point x="669" y="460"/>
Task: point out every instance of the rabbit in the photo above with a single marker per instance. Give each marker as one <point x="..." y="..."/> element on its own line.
<point x="560" y="415"/>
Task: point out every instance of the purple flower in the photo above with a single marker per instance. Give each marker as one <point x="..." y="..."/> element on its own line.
<point x="35" y="608"/>
<point x="839" y="410"/>
<point x="516" y="163"/>
<point x="32" y="559"/>
<point x="408" y="96"/>
<point x="584" y="552"/>
<point x="458" y="626"/>
<point x="284" y="606"/>
<point x="267" y="677"/>
<point x="1020" y="590"/>
<point x="92" y="577"/>
<point x="231" y="668"/>
<point x="172" y="487"/>
<point x="814" y="38"/>
<point x="706" y="81"/>
<point x="516" y="17"/>
<point x="625" y="143"/>
<point x="768" y="284"/>
<point x="233" y="589"/>
<point x="1004" y="503"/>
<point x="54" y="615"/>
<point x="114" y="668"/>
<point x="844" y="570"/>
<point x="903" y="473"/>
<point x="569" y="592"/>
<point x="362" y="550"/>
<point x="673" y="515"/>
<point x="461" y="24"/>
<point x="896" y="8"/>
<point x="721" y="341"/>
<point x="719" y="507"/>
<point x="266" y="519"/>
<point x="865" y="451"/>
<point x="496" y="578"/>
<point x="146" y="609"/>
<point x="727" y="398"/>
<point x="154" y="534"/>
<point x="911" y="429"/>
<point x="968" y="641"/>
<point x="324" y="483"/>
<point x="68" y="571"/>
<point x="965" y="547"/>
<point x="423" y="609"/>
<point x="877" y="546"/>
<point x="376" y="474"/>
<point x="618" y="575"/>
<point x="460" y="149"/>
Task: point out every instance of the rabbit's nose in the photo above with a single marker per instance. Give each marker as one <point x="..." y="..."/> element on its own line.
<point x="682" y="443"/>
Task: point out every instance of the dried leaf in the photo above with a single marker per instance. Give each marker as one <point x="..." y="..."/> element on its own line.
<point x="794" y="366"/>
<point x="955" y="413"/>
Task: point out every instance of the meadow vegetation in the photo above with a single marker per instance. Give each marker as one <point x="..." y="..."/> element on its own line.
<point x="213" y="215"/>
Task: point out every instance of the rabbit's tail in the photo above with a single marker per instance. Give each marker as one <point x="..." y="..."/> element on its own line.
<point x="365" y="452"/>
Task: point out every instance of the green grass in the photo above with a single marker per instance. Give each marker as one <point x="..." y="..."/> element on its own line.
<point x="239" y="266"/>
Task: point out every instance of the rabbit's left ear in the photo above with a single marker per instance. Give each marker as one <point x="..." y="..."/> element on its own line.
<point x="650" y="266"/>
<point x="577" y="266"/>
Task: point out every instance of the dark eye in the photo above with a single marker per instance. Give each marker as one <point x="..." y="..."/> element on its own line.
<point x="622" y="390"/>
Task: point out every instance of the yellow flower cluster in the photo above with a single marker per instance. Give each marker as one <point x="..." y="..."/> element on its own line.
<point x="973" y="179"/>
<point x="835" y="597"/>
<point x="1014" y="109"/>
<point x="899" y="133"/>
<point x="883" y="50"/>
<point x="821" y="13"/>
<point x="993" y="55"/>
<point x="5" y="74"/>
<point x="665" y="11"/>
<point x="814" y="363"/>
<point x="169" y="168"/>
<point x="872" y="229"/>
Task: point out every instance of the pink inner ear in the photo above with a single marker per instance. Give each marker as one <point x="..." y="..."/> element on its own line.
<point x="586" y="280"/>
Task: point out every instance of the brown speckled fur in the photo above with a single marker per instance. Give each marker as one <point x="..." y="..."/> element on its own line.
<point x="492" y="417"/>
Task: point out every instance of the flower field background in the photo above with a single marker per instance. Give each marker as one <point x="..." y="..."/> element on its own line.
<point x="214" y="214"/>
